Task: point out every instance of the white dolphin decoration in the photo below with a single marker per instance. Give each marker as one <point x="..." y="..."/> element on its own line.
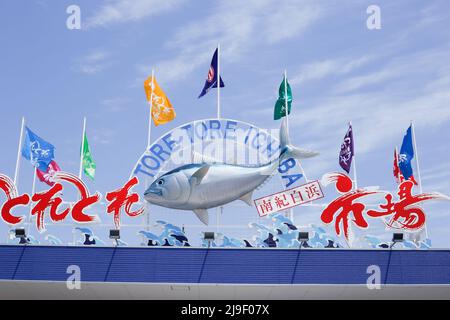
<point x="200" y="186"/>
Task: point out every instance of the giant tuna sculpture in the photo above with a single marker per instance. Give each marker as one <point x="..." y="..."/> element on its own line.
<point x="200" y="186"/>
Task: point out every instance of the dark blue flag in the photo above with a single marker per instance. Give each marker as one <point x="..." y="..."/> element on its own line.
<point x="406" y="155"/>
<point x="211" y="79"/>
<point x="38" y="151"/>
<point x="347" y="151"/>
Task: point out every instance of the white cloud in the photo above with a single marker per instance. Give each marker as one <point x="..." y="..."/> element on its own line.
<point x="119" y="11"/>
<point x="290" y="18"/>
<point x="103" y="136"/>
<point x="238" y="26"/>
<point x="116" y="104"/>
<point x="380" y="113"/>
<point x="322" y="69"/>
<point x="93" y="63"/>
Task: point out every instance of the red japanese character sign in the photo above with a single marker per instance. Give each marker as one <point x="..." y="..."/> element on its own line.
<point x="288" y="198"/>
<point x="13" y="199"/>
<point x="120" y="198"/>
<point x="348" y="207"/>
<point x="404" y="214"/>
<point x="50" y="200"/>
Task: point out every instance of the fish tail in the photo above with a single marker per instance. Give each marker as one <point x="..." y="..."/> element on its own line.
<point x="287" y="150"/>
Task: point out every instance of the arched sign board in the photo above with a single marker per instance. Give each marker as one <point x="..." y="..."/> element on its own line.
<point x="213" y="140"/>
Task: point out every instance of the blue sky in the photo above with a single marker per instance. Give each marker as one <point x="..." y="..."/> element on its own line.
<point x="339" y="71"/>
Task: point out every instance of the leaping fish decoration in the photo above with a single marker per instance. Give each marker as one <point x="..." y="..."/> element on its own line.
<point x="201" y="186"/>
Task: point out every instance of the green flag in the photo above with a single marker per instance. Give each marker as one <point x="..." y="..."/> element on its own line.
<point x="280" y="105"/>
<point x="88" y="163"/>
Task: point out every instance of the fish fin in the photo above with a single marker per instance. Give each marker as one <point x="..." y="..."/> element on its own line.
<point x="247" y="198"/>
<point x="199" y="175"/>
<point x="288" y="150"/>
<point x="202" y="214"/>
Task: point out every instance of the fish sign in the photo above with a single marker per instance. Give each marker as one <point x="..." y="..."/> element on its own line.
<point x="289" y="198"/>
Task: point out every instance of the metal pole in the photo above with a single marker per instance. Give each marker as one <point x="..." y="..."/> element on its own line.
<point x="413" y="133"/>
<point x="417" y="156"/>
<point x="19" y="149"/>
<point x="218" y="81"/>
<point x="16" y="172"/>
<point x="286" y="105"/>
<point x="147" y="206"/>
<point x="80" y="172"/>
<point x="152" y="86"/>
<point x="218" y="117"/>
<point x="33" y="190"/>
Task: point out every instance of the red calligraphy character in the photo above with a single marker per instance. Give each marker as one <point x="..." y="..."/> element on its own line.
<point x="13" y="199"/>
<point x="312" y="191"/>
<point x="405" y="215"/>
<point x="120" y="198"/>
<point x="46" y="200"/>
<point x="266" y="206"/>
<point x="340" y="209"/>
<point x="280" y="201"/>
<point x="86" y="200"/>
<point x="296" y="196"/>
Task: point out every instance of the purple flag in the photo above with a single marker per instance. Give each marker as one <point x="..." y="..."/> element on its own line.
<point x="347" y="151"/>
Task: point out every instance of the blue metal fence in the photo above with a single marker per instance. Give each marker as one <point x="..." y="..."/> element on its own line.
<point x="238" y="266"/>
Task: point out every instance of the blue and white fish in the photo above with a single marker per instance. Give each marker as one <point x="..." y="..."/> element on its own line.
<point x="200" y="186"/>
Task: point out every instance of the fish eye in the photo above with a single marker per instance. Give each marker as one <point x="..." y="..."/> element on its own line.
<point x="160" y="182"/>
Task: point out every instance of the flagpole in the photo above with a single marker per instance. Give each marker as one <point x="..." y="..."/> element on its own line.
<point x="416" y="155"/>
<point x="218" y="81"/>
<point x="19" y="149"/>
<point x="16" y="171"/>
<point x="33" y="190"/>
<point x="286" y="105"/>
<point x="149" y="137"/>
<point x="218" y="117"/>
<point x="151" y="109"/>
<point x="80" y="172"/>
<point x="355" y="177"/>
<point x="413" y="132"/>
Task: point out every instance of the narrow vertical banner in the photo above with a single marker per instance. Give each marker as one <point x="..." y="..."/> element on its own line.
<point x="213" y="79"/>
<point x="347" y="154"/>
<point x="355" y="177"/>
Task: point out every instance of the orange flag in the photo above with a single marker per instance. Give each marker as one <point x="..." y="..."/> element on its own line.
<point x="162" y="109"/>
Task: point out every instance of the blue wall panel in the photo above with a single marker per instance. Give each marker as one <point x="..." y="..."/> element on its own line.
<point x="201" y="265"/>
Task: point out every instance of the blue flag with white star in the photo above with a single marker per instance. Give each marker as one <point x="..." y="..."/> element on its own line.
<point x="38" y="151"/>
<point x="211" y="79"/>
